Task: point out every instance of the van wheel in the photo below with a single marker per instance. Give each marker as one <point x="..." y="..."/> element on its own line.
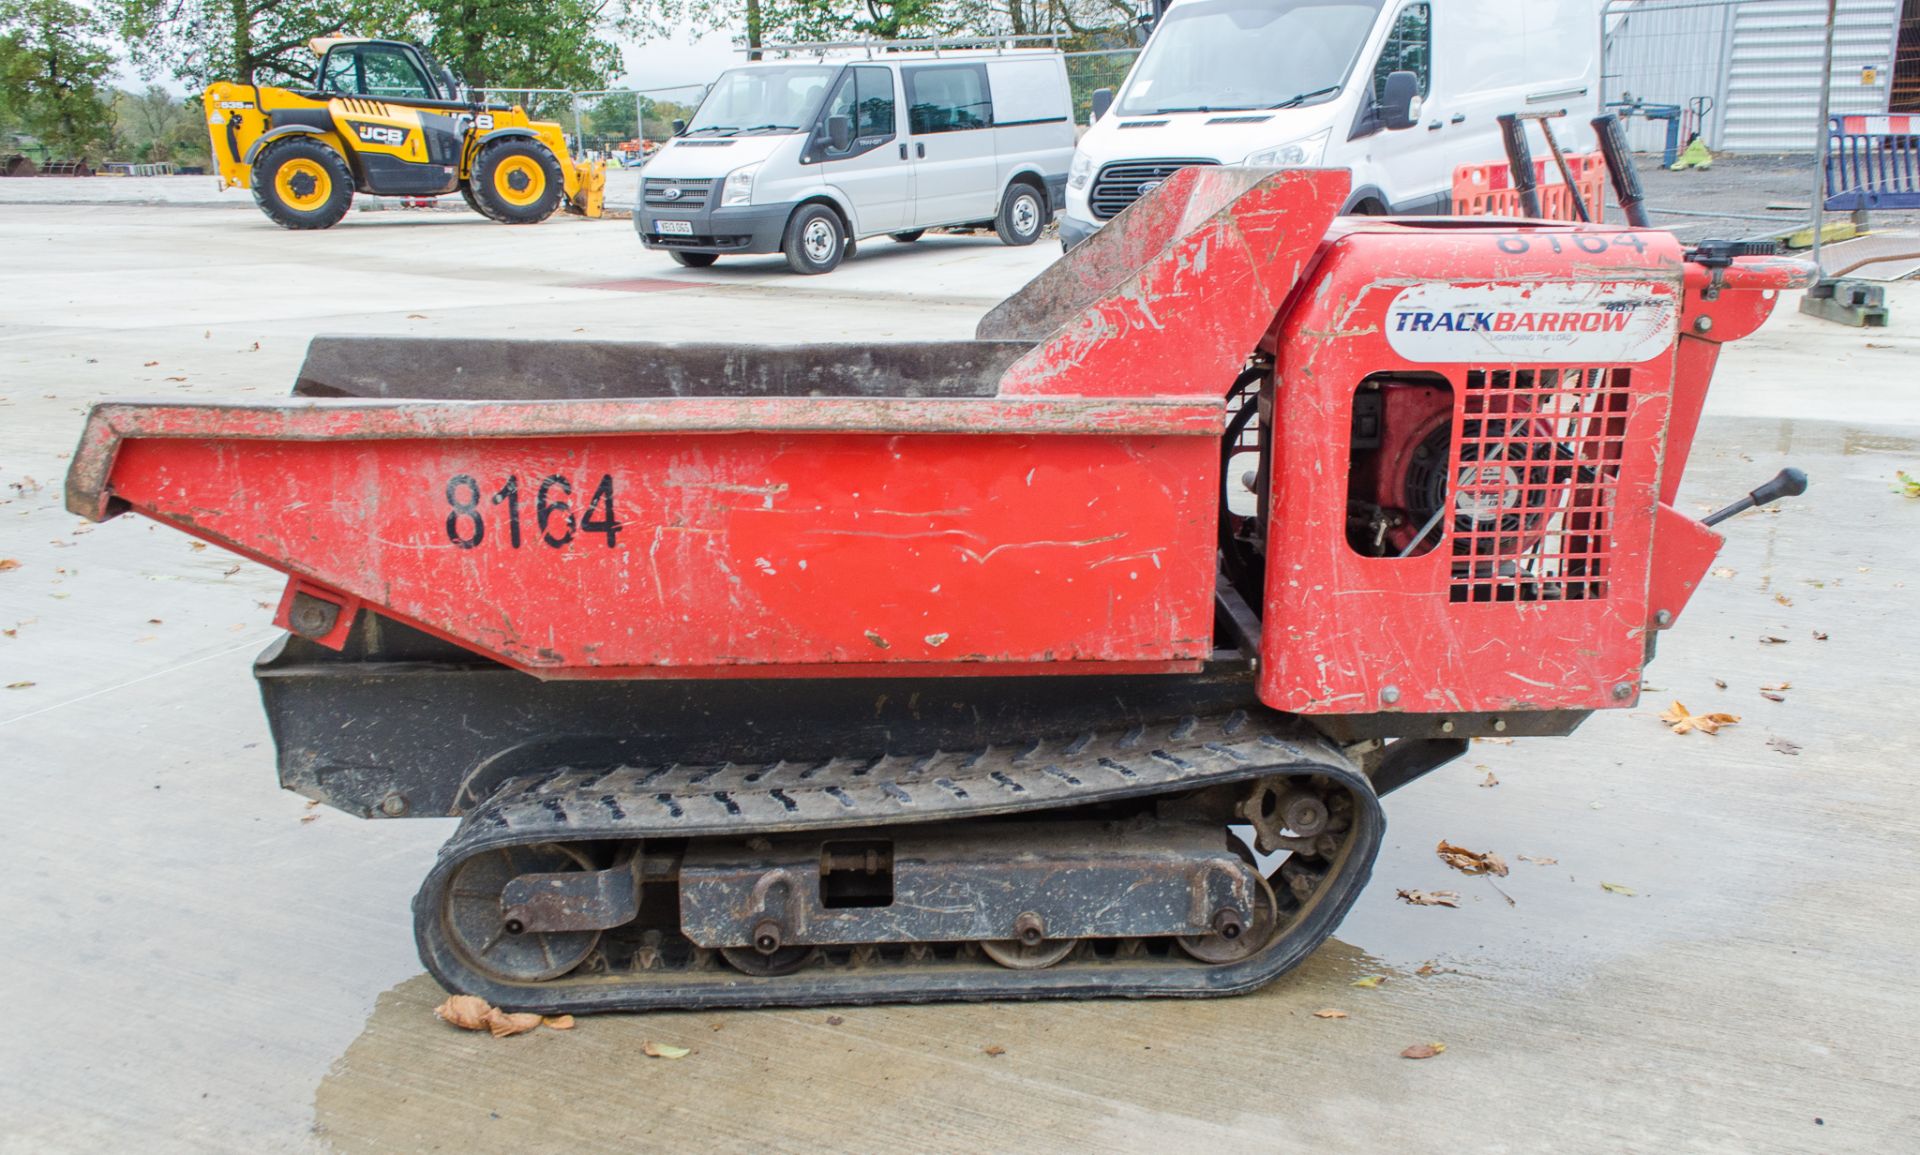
<point x="692" y="260"/>
<point x="302" y="183"/>
<point x="815" y="242"/>
<point x="1023" y="215"/>
<point x="908" y="237"/>
<point x="517" y="181"/>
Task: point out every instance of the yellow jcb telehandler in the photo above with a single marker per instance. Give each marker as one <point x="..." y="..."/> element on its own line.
<point x="382" y="118"/>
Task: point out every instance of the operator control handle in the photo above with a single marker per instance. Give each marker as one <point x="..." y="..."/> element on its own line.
<point x="1786" y="483"/>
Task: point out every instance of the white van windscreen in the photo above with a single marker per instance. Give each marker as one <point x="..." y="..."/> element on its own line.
<point x="1237" y="55"/>
<point x="784" y="99"/>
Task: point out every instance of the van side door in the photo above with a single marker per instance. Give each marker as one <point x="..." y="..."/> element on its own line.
<point x="950" y="122"/>
<point x="875" y="170"/>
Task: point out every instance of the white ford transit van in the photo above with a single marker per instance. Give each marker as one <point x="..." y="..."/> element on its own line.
<point x="1306" y="83"/>
<point x="806" y="157"/>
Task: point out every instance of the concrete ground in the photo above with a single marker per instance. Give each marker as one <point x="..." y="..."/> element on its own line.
<point x="196" y="961"/>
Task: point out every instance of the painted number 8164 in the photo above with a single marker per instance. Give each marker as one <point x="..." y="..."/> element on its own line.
<point x="555" y="521"/>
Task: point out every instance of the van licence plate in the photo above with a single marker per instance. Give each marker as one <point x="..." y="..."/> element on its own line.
<point x="673" y="228"/>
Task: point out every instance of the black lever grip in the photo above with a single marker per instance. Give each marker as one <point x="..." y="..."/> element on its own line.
<point x="1786" y="483"/>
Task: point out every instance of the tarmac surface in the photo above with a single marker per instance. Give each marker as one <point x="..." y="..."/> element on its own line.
<point x="197" y="961"/>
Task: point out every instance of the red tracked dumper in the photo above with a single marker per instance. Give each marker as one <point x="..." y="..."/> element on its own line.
<point x="860" y="673"/>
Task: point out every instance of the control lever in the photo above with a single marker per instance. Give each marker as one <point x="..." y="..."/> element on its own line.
<point x="1786" y="483"/>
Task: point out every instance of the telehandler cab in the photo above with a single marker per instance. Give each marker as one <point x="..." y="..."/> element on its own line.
<point x="382" y="118"/>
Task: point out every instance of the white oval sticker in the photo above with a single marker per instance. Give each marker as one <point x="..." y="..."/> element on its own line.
<point x="1589" y="322"/>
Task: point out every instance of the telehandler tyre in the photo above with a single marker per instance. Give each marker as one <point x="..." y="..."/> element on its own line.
<point x="474" y="203"/>
<point x="302" y="183"/>
<point x="517" y="181"/>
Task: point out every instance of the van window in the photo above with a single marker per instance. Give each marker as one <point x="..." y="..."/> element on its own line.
<point x="947" y="98"/>
<point x="1028" y="91"/>
<point x="865" y="97"/>
<point x="1238" y="55"/>
<point x="1409" y="48"/>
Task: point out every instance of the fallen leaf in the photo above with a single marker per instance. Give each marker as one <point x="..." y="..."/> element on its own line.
<point x="1369" y="982"/>
<point x="1681" y="720"/>
<point x="150" y="364"/>
<point x="834" y="1020"/>
<point x="1784" y="746"/>
<point x="1616" y="888"/>
<point x="1773" y="697"/>
<point x="503" y="1024"/>
<point x="1724" y="571"/>
<point x="1329" y="1013"/>
<point x="1779" y="687"/>
<point x="176" y="378"/>
<point x="7" y="563"/>
<point x="1427" y="968"/>
<point x="1541" y="860"/>
<point x="230" y="571"/>
<point x="468" y="1012"/>
<point x="994" y="1049"/>
<point x="1489" y="780"/>
<point x="308" y="818"/>
<point x="20" y="685"/>
<point x="1906" y="485"/>
<point x="1770" y="640"/>
<point x="196" y="546"/>
<point x="153" y="621"/>
<point x="1423" y="1050"/>
<point x="1430" y="897"/>
<point x="554" y="1022"/>
<point x="1717" y="682"/>
<point x="416" y="316"/>
<point x="1818" y="636"/>
<point x="1470" y="861"/>
<point x="653" y="1050"/>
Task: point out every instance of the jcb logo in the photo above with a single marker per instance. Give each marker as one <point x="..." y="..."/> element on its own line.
<point x="377" y="134"/>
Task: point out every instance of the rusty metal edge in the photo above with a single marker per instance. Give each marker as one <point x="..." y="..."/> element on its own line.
<point x="109" y="423"/>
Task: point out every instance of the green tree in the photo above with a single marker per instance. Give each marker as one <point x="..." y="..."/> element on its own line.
<point x="53" y="70"/>
<point x="201" y="41"/>
<point x="517" y="43"/>
<point x="156" y="126"/>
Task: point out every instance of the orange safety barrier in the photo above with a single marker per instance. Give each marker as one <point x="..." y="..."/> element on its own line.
<point x="1486" y="190"/>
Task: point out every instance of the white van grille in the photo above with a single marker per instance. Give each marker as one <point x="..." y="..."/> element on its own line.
<point x="1122" y="182"/>
<point x="680" y="194"/>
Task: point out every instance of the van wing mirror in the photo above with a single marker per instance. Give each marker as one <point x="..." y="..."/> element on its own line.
<point x="1397" y="100"/>
<point x="839" y="133"/>
<point x="679" y="127"/>
<point x="1102" y="100"/>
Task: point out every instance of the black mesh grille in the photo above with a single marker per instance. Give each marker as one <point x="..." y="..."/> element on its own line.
<point x="1119" y="184"/>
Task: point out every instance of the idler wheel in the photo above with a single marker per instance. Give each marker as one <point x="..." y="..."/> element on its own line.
<point x="1020" y="956"/>
<point x="1248" y="936"/>
<point x="480" y="930"/>
<point x="783" y="961"/>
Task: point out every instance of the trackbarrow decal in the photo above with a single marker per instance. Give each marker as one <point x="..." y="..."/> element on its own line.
<point x="1590" y="322"/>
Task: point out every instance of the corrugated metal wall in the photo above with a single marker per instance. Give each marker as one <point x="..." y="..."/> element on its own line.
<point x="1757" y="60"/>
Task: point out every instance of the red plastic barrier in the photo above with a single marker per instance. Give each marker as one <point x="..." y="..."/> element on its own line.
<point x="1486" y="190"/>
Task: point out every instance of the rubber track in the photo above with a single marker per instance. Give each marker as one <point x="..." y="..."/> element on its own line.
<point x="679" y="801"/>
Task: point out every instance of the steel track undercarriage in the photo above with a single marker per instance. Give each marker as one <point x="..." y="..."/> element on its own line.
<point x="1098" y="864"/>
